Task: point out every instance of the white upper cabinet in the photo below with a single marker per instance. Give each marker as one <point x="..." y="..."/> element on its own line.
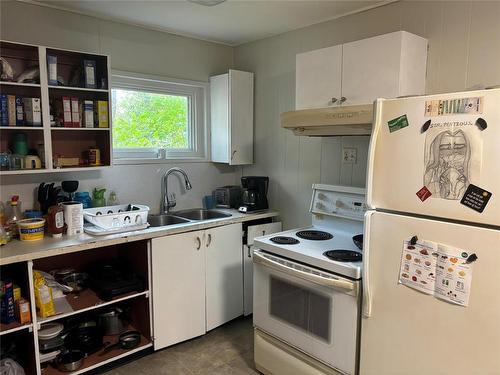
<point x="312" y="89"/>
<point x="387" y="66"/>
<point x="231" y="97"/>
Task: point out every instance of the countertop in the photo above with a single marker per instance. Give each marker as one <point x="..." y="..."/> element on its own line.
<point x="21" y="251"/>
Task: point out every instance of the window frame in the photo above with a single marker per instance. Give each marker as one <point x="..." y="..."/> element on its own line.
<point x="198" y="100"/>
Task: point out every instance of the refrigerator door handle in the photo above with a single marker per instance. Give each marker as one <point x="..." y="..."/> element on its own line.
<point x="367" y="293"/>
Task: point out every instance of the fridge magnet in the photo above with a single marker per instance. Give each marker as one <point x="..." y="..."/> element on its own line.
<point x="423" y="194"/>
<point x="398" y="123"/>
<point x="438" y="270"/>
<point x="452" y="158"/>
<point x="425" y="126"/>
<point x="462" y="106"/>
<point x="476" y="198"/>
<point x="481" y="123"/>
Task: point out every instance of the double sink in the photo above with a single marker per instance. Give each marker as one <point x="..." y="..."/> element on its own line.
<point x="185" y="216"/>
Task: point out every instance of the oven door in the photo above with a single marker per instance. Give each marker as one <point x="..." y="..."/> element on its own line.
<point x="312" y="310"/>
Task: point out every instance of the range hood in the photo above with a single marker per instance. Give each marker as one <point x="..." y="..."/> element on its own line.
<point x="330" y="121"/>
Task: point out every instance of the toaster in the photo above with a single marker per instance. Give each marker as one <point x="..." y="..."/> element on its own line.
<point x="227" y="196"/>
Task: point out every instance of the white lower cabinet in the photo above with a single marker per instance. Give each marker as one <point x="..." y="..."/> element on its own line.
<point x="224" y="274"/>
<point x="178" y="273"/>
<point x="197" y="282"/>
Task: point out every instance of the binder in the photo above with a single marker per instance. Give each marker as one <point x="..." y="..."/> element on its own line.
<point x="4" y="111"/>
<point x="32" y="111"/>
<point x="102" y="114"/>
<point x="11" y="107"/>
<point x="19" y="111"/>
<point x="88" y="114"/>
<point x="67" y="121"/>
<point x="75" y="112"/>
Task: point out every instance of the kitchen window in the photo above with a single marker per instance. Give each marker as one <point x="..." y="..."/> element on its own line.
<point x="156" y="118"/>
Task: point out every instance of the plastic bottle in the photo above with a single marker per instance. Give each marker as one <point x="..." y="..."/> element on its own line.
<point x="113" y="199"/>
<point x="15" y="215"/>
<point x="3" y="217"/>
<point x="84" y="198"/>
<point x="55" y="220"/>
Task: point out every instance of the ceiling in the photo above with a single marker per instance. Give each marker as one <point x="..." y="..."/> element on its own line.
<point x="233" y="22"/>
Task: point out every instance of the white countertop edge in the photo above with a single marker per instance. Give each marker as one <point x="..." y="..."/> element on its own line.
<point x="21" y="251"/>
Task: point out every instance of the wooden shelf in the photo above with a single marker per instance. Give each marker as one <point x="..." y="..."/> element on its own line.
<point x="86" y="301"/>
<point x="77" y="88"/>
<point x="62" y="128"/>
<point x="14" y="327"/>
<point x="7" y="83"/>
<point x="96" y="360"/>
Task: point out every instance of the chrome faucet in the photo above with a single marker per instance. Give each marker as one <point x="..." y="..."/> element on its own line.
<point x="168" y="201"/>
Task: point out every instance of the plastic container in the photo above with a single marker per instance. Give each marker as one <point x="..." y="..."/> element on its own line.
<point x="84" y="198"/>
<point x="33" y="214"/>
<point x="31" y="229"/>
<point x="113" y="217"/>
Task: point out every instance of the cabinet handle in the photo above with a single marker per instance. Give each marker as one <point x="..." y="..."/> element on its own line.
<point x="334" y="100"/>
<point x="199" y="243"/>
<point x="232" y="154"/>
<point x="209" y="240"/>
<point x="249" y="254"/>
<point x="342" y="100"/>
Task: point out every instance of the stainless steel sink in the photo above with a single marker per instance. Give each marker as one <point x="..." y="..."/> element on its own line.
<point x="164" y="220"/>
<point x="201" y="214"/>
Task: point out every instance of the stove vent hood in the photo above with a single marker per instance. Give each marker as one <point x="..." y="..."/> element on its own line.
<point x="330" y="121"/>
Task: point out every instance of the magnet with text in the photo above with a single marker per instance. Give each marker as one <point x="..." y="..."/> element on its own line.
<point x="398" y="123"/>
<point x="423" y="193"/>
<point x="476" y="198"/>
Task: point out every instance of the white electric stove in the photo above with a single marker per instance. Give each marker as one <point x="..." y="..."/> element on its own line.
<point x="307" y="288"/>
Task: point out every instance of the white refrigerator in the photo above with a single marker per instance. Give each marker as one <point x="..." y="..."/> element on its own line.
<point x="433" y="181"/>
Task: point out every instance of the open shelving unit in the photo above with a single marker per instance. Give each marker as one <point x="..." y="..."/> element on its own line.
<point x="49" y="140"/>
<point x="80" y="307"/>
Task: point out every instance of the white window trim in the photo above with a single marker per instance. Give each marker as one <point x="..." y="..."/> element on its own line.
<point x="199" y="100"/>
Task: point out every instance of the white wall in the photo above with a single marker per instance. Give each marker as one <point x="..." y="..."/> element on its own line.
<point x="464" y="50"/>
<point x="132" y="49"/>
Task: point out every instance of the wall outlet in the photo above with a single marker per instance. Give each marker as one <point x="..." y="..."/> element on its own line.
<point x="349" y="155"/>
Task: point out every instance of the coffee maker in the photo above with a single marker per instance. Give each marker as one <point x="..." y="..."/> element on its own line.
<point x="254" y="197"/>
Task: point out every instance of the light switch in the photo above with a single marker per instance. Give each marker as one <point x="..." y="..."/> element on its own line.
<point x="349" y="155"/>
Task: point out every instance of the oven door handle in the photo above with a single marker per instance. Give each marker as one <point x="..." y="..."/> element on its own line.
<point x="344" y="285"/>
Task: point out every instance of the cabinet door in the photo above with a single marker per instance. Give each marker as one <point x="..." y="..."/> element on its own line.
<point x="178" y="273"/>
<point x="370" y="69"/>
<point x="224" y="274"/>
<point x="241" y="117"/>
<point x="253" y="231"/>
<point x="219" y="112"/>
<point x="318" y="77"/>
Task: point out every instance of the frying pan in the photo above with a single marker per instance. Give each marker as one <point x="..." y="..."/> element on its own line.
<point x="358" y="241"/>
<point x="127" y="340"/>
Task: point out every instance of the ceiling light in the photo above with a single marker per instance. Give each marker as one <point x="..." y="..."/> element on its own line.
<point x="208" y="3"/>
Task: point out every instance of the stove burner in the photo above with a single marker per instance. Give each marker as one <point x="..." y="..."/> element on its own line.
<point x="282" y="240"/>
<point x="315" y="235"/>
<point x="344" y="255"/>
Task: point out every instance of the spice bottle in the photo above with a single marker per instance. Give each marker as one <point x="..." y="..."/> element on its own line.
<point x="55" y="220"/>
<point x="15" y="216"/>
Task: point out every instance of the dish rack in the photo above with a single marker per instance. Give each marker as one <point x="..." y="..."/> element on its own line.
<point x="112" y="219"/>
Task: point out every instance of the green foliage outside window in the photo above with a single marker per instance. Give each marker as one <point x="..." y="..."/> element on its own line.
<point x="149" y="120"/>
